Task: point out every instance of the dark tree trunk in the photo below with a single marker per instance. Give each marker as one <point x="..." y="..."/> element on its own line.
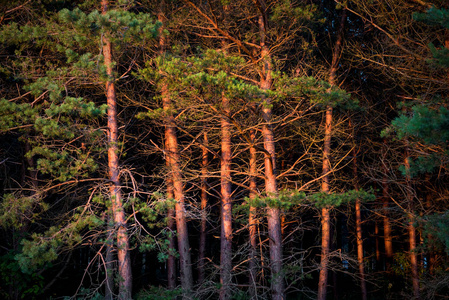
<point x="204" y="199"/>
<point x="412" y="232"/>
<point x="109" y="261"/>
<point x="388" y="238"/>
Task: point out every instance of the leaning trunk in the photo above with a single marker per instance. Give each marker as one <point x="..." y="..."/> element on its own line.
<point x="124" y="263"/>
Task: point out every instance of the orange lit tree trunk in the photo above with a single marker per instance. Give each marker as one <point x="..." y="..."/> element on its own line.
<point x="388" y="239"/>
<point x="273" y="213"/>
<point x="203" y="235"/>
<point x="171" y="261"/>
<point x="252" y="219"/>
<point x="360" y="249"/>
<point x="226" y="206"/>
<point x="178" y="190"/>
<point x="358" y="224"/>
<point x="124" y="263"/>
<point x="325" y="211"/>
<point x="173" y="158"/>
<point x="412" y="232"/>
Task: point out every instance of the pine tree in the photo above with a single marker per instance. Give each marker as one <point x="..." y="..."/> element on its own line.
<point x="63" y="126"/>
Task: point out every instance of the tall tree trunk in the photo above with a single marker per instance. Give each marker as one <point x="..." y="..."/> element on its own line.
<point x="430" y="248"/>
<point x="358" y="222"/>
<point x="273" y="213"/>
<point x="173" y="158"/>
<point x="252" y="219"/>
<point x="204" y="198"/>
<point x="171" y="261"/>
<point x="178" y="190"/>
<point x="109" y="261"/>
<point x="124" y="262"/>
<point x="388" y="239"/>
<point x="325" y="211"/>
<point x="377" y="247"/>
<point x="412" y="232"/>
<point x="226" y="206"/>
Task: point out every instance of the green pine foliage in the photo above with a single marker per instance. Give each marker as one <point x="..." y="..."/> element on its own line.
<point x="316" y="91"/>
<point x="291" y="199"/>
<point x="437" y="226"/>
<point x="436" y="17"/>
<point x="424" y="123"/>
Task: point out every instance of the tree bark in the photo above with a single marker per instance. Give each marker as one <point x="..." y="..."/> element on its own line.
<point x="359" y="233"/>
<point x="430" y="248"/>
<point x="124" y="262"/>
<point x="109" y="261"/>
<point x="252" y="219"/>
<point x="412" y="233"/>
<point x="226" y="206"/>
<point x="204" y="199"/>
<point x="325" y="211"/>
<point x="377" y="247"/>
<point x="358" y="218"/>
<point x="273" y="213"/>
<point x="173" y="158"/>
<point x="171" y="261"/>
<point x="388" y="239"/>
<point x="181" y="223"/>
